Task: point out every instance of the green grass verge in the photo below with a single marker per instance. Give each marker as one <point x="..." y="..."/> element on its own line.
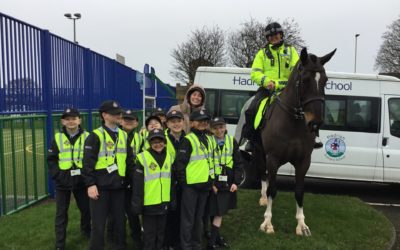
<point x="336" y="222"/>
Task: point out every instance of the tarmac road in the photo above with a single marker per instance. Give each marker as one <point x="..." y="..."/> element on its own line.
<point x="383" y="197"/>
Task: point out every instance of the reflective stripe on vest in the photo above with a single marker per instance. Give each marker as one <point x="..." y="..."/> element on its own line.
<point x="157" y="181"/>
<point x="106" y="155"/>
<point x="223" y="156"/>
<point x="68" y="154"/>
<point x="200" y="166"/>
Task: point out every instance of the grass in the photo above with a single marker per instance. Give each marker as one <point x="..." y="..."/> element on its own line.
<point x="336" y="222"/>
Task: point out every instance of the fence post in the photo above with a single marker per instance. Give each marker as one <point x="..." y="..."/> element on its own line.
<point x="3" y="202"/>
<point x="48" y="94"/>
<point x="88" y="76"/>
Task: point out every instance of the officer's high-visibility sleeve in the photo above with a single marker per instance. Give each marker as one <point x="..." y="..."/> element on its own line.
<point x="257" y="70"/>
<point x="295" y="58"/>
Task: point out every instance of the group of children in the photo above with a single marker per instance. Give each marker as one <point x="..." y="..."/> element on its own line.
<point x="164" y="181"/>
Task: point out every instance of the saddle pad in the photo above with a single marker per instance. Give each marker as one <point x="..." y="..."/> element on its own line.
<point x="262" y="108"/>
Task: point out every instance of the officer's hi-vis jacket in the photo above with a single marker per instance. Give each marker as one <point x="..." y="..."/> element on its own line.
<point x="274" y="64"/>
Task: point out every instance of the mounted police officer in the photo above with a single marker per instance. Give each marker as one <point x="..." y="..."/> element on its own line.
<point x="271" y="69"/>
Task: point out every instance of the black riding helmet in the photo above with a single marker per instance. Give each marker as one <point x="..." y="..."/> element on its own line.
<point x="272" y="29"/>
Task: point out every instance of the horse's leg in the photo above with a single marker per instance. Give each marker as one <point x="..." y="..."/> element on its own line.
<point x="301" y="229"/>
<point x="264" y="186"/>
<point x="267" y="226"/>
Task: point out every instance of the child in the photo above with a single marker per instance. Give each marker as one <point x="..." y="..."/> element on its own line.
<point x="65" y="163"/>
<point x="152" y="189"/>
<point x="194" y="168"/>
<point x="174" y="135"/>
<point x="227" y="164"/>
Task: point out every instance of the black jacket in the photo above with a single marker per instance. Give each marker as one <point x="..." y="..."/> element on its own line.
<point x="138" y="189"/>
<point x="235" y="173"/>
<point x="101" y="178"/>
<point x="62" y="178"/>
<point x="183" y="158"/>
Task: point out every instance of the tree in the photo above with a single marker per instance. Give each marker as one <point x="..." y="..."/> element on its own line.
<point x="388" y="58"/>
<point x="205" y="47"/>
<point x="244" y="43"/>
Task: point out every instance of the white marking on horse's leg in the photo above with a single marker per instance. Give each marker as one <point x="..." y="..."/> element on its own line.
<point x="301" y="229"/>
<point x="317" y="76"/>
<point x="267" y="226"/>
<point x="263" y="199"/>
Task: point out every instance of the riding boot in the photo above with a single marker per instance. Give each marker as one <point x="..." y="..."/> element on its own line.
<point x="318" y="144"/>
<point x="248" y="130"/>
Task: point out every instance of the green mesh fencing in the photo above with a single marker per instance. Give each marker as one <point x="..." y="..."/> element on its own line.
<point x="23" y="172"/>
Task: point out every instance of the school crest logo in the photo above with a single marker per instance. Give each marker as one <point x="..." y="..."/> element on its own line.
<point x="110" y="144"/>
<point x="68" y="111"/>
<point x="153" y="166"/>
<point x="115" y="105"/>
<point x="335" y="147"/>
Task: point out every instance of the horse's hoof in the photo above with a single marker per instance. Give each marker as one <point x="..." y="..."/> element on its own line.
<point x="270" y="230"/>
<point x="263" y="227"/>
<point x="263" y="202"/>
<point x="304" y="231"/>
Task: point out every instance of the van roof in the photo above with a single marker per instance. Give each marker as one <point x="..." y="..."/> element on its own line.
<point x="339" y="75"/>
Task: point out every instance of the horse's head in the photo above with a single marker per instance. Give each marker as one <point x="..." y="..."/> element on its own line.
<point x="310" y="84"/>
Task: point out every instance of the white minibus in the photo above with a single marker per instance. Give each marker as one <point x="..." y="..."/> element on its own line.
<point x="361" y="131"/>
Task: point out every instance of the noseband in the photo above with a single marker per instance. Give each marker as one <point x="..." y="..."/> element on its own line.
<point x="297" y="111"/>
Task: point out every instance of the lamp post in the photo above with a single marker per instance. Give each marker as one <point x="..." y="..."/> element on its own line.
<point x="355" y="53"/>
<point x="75" y="17"/>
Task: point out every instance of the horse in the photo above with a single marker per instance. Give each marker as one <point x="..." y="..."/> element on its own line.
<point x="289" y="132"/>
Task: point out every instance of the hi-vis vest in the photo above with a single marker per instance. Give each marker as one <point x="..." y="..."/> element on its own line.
<point x="70" y="154"/>
<point x="222" y="157"/>
<point x="276" y="65"/>
<point x="170" y="146"/>
<point x="136" y="143"/>
<point x="200" y="166"/>
<point x="157" y="180"/>
<point x="109" y="153"/>
<point x="145" y="144"/>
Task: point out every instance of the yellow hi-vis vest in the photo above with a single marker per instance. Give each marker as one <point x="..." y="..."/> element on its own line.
<point x="170" y="146"/>
<point x="200" y="166"/>
<point x="135" y="143"/>
<point x="157" y="180"/>
<point x="145" y="143"/>
<point x="70" y="154"/>
<point x="224" y="156"/>
<point x="109" y="153"/>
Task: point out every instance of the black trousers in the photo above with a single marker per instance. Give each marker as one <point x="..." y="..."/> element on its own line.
<point x="248" y="128"/>
<point x="192" y="210"/>
<point x="153" y="231"/>
<point x="63" y="198"/>
<point x="110" y="202"/>
<point x="172" y="228"/>
<point x="133" y="220"/>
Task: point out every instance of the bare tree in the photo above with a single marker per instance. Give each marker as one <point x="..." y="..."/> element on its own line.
<point x="205" y="47"/>
<point x="388" y="58"/>
<point x="245" y="43"/>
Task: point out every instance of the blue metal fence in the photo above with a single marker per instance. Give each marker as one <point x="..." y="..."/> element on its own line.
<point x="42" y="73"/>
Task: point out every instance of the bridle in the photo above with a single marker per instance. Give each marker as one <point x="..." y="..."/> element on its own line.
<point x="298" y="111"/>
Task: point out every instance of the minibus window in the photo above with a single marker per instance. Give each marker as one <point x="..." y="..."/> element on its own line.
<point x="394" y="116"/>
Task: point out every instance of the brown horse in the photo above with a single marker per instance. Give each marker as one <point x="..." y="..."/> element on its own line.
<point x="289" y="133"/>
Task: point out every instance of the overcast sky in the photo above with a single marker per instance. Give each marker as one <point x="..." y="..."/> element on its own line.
<point x="146" y="31"/>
